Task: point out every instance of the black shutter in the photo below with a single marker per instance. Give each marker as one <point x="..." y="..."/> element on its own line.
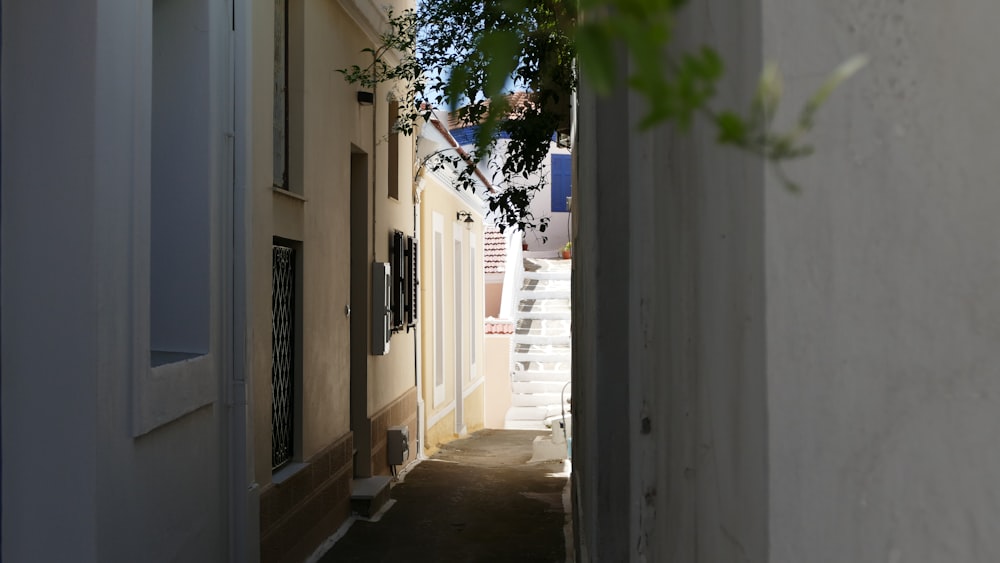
<point x="412" y="282"/>
<point x="397" y="259"/>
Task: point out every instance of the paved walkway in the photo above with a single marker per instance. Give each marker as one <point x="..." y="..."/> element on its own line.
<point x="478" y="500"/>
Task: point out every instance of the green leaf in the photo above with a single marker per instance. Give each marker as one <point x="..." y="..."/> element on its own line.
<point x="732" y="129"/>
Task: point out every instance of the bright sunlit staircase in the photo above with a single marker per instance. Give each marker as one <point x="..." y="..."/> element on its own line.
<point x="540" y="346"/>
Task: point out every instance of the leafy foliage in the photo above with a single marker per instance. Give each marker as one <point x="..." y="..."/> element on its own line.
<point x="471" y="54"/>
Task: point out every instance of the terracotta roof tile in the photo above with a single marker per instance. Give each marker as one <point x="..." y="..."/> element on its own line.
<point x="494" y="251"/>
<point x="515" y="99"/>
<point x="497" y="326"/>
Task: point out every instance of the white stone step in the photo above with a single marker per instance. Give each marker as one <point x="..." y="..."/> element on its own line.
<point x="547" y="284"/>
<point x="524" y="425"/>
<point x="545" y="448"/>
<point x="560" y="377"/>
<point x="529" y="308"/>
<point x="564" y="365"/>
<point x="535" y="399"/>
<point x="553" y="387"/>
<point x="551" y="349"/>
<point x="545" y="288"/>
<point x="523" y="295"/>
<point x="555" y="339"/>
<point x="541" y="344"/>
<point x="543" y="327"/>
<point x="548" y="265"/>
<point x="559" y="359"/>
<point x="544" y="276"/>
<point x="536" y="413"/>
<point x="546" y="315"/>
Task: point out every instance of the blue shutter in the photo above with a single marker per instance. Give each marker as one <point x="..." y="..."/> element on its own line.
<point x="561" y="181"/>
<point x="465" y="136"/>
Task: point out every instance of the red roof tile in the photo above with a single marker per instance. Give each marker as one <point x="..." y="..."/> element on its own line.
<point x="495" y="326"/>
<point x="494" y="251"/>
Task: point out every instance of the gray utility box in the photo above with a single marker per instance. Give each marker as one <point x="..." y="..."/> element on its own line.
<point x="398" y="446"/>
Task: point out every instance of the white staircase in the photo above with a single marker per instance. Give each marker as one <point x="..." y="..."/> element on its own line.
<point x="540" y="346"/>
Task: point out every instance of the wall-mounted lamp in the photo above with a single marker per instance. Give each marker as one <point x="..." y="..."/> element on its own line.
<point x="466" y="214"/>
<point x="366" y="98"/>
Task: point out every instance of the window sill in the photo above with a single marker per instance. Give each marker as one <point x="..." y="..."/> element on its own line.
<point x="287" y="472"/>
<point x="289" y="194"/>
<point x="169" y="391"/>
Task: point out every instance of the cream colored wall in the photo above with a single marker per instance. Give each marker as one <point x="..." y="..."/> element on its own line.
<point x="497" y="394"/>
<point x="391" y="375"/>
<point x="494" y="294"/>
<point x="438" y="198"/>
<point x="325" y="121"/>
<point x="442" y="432"/>
<point x="332" y="121"/>
<point x="475" y="408"/>
<point x="261" y="226"/>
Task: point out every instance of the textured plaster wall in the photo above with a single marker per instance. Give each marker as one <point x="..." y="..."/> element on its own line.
<point x="77" y="485"/>
<point x="669" y="331"/>
<point x="475" y="407"/>
<point x="393" y="374"/>
<point x="325" y="122"/>
<point x="41" y="203"/>
<point x="810" y="377"/>
<point x="882" y="289"/>
<point x="493" y="295"/>
<point x="497" y="394"/>
<point x="328" y="129"/>
<point x="556" y="233"/>
<point x="441" y="199"/>
<point x="261" y="229"/>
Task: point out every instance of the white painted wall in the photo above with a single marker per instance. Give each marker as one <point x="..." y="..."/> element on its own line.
<point x="104" y="459"/>
<point x="883" y="299"/>
<point x="557" y="233"/>
<point x="796" y="377"/>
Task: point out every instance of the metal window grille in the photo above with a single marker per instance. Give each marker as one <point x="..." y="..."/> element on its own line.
<point x="412" y="281"/>
<point x="397" y="254"/>
<point x="282" y="354"/>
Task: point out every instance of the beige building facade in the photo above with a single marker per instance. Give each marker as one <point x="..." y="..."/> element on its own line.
<point x="331" y="186"/>
<point x="452" y="299"/>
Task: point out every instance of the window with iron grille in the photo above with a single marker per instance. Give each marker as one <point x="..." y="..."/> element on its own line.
<point x="282" y="355"/>
<point x="397" y="258"/>
<point x="412" y="282"/>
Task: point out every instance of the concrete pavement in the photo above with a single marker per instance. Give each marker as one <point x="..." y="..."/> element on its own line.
<point x="478" y="500"/>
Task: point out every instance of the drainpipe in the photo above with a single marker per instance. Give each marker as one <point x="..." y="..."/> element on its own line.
<point x="243" y="490"/>
<point x="418" y="188"/>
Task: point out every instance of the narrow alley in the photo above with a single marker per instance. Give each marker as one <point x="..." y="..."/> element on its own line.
<point x="479" y="499"/>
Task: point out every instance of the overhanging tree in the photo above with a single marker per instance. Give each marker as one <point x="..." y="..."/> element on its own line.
<point x="472" y="55"/>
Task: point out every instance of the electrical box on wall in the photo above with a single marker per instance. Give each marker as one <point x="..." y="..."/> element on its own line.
<point x="398" y="445"/>
<point x="381" y="307"/>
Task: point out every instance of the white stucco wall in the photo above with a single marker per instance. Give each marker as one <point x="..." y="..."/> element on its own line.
<point x="101" y="460"/>
<point x="556" y="233"/>
<point x="806" y="377"/>
<point x="882" y="283"/>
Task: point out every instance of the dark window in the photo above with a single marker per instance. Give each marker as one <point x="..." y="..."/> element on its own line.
<point x="397" y="259"/>
<point x="393" y="150"/>
<point x="180" y="186"/>
<point x="280" y="139"/>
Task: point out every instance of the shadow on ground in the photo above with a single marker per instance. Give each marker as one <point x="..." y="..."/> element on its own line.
<point x="477" y="500"/>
